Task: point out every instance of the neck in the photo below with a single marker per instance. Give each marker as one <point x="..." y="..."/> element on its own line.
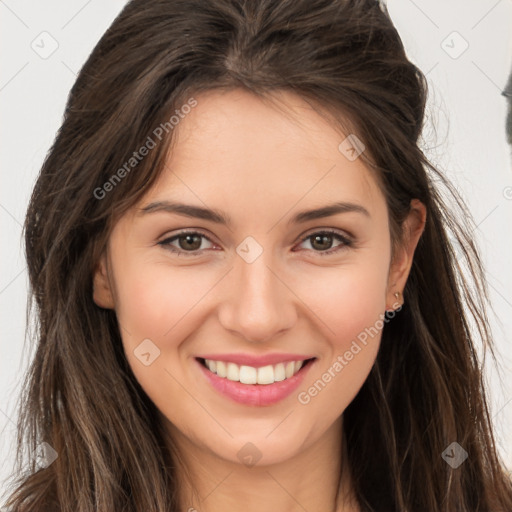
<point x="316" y="479"/>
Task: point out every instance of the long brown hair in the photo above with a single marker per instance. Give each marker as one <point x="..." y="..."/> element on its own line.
<point x="425" y="389"/>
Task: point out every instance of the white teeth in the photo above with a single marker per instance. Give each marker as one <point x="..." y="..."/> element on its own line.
<point x="266" y="375"/>
<point x="233" y="372"/>
<point x="221" y="369"/>
<point x="250" y="375"/>
<point x="279" y="373"/>
<point x="288" y="369"/>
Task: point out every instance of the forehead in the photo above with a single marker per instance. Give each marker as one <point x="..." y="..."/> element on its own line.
<point x="235" y="147"/>
<point x="238" y="120"/>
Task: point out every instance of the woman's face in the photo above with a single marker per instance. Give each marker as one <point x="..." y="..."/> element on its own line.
<point x="264" y="289"/>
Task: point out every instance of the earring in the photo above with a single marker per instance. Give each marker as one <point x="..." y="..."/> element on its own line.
<point x="397" y="297"/>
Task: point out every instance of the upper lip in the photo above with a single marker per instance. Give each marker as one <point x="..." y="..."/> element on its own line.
<point x="254" y="360"/>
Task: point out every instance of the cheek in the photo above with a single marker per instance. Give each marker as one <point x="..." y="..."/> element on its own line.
<point x="156" y="308"/>
<point x="153" y="299"/>
<point x="347" y="299"/>
<point x="350" y="302"/>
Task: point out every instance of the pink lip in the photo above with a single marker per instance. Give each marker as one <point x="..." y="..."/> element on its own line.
<point x="256" y="361"/>
<point x="255" y="394"/>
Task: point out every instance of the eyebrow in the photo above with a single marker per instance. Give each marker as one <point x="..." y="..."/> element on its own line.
<point x="221" y="218"/>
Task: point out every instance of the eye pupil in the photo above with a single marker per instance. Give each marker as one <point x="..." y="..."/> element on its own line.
<point x="323" y="239"/>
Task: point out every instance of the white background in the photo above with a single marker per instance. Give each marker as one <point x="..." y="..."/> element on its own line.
<point x="465" y="107"/>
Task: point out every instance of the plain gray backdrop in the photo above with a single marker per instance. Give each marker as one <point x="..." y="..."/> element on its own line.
<point x="465" y="49"/>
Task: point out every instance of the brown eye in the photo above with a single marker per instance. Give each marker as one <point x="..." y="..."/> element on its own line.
<point x="322" y="242"/>
<point x="188" y="243"/>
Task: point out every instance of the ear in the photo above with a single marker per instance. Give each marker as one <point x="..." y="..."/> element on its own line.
<point x="400" y="267"/>
<point x="102" y="288"/>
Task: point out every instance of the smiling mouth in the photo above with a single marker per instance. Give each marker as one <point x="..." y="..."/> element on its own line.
<point x="263" y="375"/>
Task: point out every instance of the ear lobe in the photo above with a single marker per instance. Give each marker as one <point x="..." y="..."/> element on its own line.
<point x="102" y="290"/>
<point x="413" y="227"/>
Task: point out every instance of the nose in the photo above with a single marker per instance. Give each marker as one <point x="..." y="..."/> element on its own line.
<point x="257" y="304"/>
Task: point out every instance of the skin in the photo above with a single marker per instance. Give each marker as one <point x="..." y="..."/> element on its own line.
<point x="238" y="155"/>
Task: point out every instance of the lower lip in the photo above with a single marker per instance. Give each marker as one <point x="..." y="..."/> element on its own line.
<point x="255" y="394"/>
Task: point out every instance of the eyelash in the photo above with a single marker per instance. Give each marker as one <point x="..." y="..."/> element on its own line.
<point x="347" y="242"/>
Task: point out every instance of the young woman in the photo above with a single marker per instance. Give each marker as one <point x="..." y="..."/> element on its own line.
<point x="246" y="293"/>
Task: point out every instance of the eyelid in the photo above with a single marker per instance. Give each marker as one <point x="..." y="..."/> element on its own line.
<point x="346" y="239"/>
<point x="340" y="232"/>
<point x="186" y="231"/>
<point x="165" y="241"/>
